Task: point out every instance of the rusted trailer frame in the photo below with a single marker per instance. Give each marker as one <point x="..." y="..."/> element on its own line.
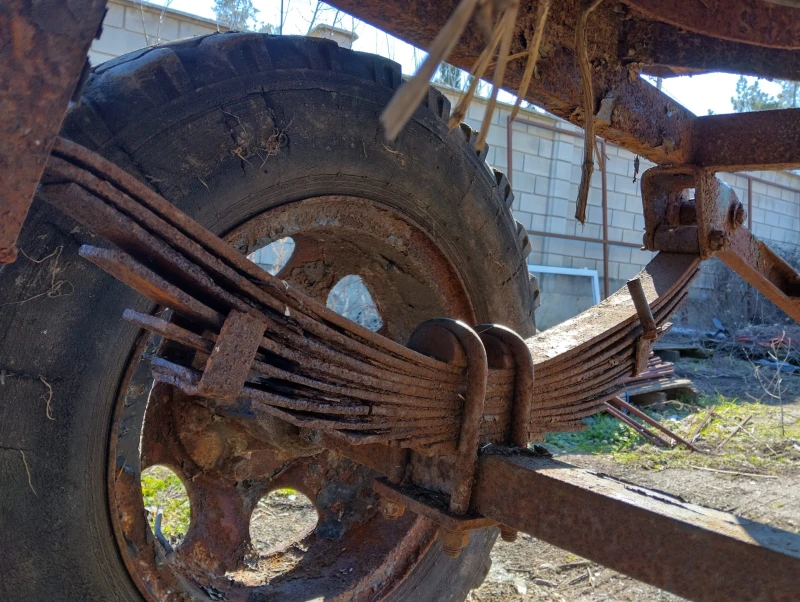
<point x="419" y="413"/>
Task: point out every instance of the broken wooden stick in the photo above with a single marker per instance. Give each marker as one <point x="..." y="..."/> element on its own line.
<point x="588" y="110"/>
<point x="408" y="97"/>
<point x="736" y="430"/>
<point x="699" y="429"/>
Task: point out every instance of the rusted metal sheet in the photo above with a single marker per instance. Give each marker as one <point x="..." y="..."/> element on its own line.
<point x="42" y="57"/>
<point x="689" y="550"/>
<point x="761" y="140"/>
<point x="764" y="23"/>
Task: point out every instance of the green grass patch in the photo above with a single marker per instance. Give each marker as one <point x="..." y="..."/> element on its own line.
<point x="767" y="444"/>
<point x="161" y="488"/>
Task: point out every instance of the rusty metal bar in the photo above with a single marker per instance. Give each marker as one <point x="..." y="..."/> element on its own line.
<point x="646" y="121"/>
<point x="692" y="551"/>
<point x="604" y="200"/>
<point x="42" y="59"/>
<point x="770" y="144"/>
<point x="618" y="401"/>
<point x="765" y="270"/>
<point x="584" y="239"/>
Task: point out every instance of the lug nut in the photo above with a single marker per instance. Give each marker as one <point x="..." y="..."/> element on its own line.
<point x="508" y="534"/>
<point x="453" y="542"/>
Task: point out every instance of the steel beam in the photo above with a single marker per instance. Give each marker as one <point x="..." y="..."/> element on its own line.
<point x="665" y="50"/>
<point x="764" y="140"/>
<point x="643" y="120"/>
<point x="42" y="57"/>
<point x="692" y="551"/>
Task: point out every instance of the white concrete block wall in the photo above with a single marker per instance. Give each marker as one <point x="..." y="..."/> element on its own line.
<point x="130" y="25"/>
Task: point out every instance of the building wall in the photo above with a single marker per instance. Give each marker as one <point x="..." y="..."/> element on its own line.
<point x="130" y="25"/>
<point x="545" y="174"/>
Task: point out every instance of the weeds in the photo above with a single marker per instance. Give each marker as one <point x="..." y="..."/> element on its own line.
<point x="763" y="445"/>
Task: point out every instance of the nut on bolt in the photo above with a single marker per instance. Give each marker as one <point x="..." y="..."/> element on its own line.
<point x="508" y="534"/>
<point x="392" y="510"/>
<point x="453" y="542"/>
<point x="718" y="240"/>
<point x="738" y="214"/>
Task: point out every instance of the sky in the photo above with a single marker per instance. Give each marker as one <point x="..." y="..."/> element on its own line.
<point x="699" y="93"/>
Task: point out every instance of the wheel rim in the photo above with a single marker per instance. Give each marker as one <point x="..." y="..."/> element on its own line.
<point x="228" y="463"/>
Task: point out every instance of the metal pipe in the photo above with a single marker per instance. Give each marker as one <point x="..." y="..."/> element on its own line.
<point x="604" y="181"/>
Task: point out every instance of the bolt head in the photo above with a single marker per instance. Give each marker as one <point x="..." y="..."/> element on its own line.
<point x="718" y="240"/>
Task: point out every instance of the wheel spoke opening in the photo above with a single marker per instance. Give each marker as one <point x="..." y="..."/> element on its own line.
<point x="350" y="298"/>
<point x="274" y="256"/>
<point x="167" y="505"/>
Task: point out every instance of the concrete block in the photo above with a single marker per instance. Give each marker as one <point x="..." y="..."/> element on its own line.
<point x="116" y="42"/>
<point x="615" y="233"/>
<point x="564" y="150"/>
<point x="559" y="208"/>
<point x="628" y="271"/>
<point x="626" y="154"/>
<point x="553" y="245"/>
<point x="613" y="271"/>
<point x="594" y="214"/>
<point x="557" y="225"/>
<point x="638" y="222"/>
<point x="773" y="219"/>
<point x="529" y="202"/>
<point x="524" y="182"/>
<point x="616" y="200"/>
<point x="594" y="251"/>
<point x="575" y="248"/>
<point x="619" y="167"/>
<point x="563" y="170"/>
<point x="542" y="186"/>
<point x="620" y="254"/>
<point x="152" y="24"/>
<point x="633" y="203"/>
<point x="98" y="58"/>
<point x="632" y="236"/>
<point x="115" y="15"/>
<point x="190" y="29"/>
<point x="583" y="263"/>
<point x="522" y="141"/>
<point x="497" y="136"/>
<point x="537" y="222"/>
<point x="626" y="186"/>
<point x="588" y="230"/>
<point x="545" y="147"/>
<point x="536" y="165"/>
<point x="575" y="174"/>
<point x="595" y="196"/>
<point x="621" y="219"/>
<point x="759" y="216"/>
<point x="524" y="218"/>
<point x="561" y="189"/>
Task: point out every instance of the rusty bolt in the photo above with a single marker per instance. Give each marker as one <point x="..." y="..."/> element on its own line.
<point x="738" y="214"/>
<point x="508" y="534"/>
<point x="453" y="542"/>
<point x="392" y="510"/>
<point x="718" y="240"/>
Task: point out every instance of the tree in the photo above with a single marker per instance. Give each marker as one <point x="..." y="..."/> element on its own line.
<point x="750" y="97"/>
<point x="236" y="14"/>
<point x="449" y="75"/>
